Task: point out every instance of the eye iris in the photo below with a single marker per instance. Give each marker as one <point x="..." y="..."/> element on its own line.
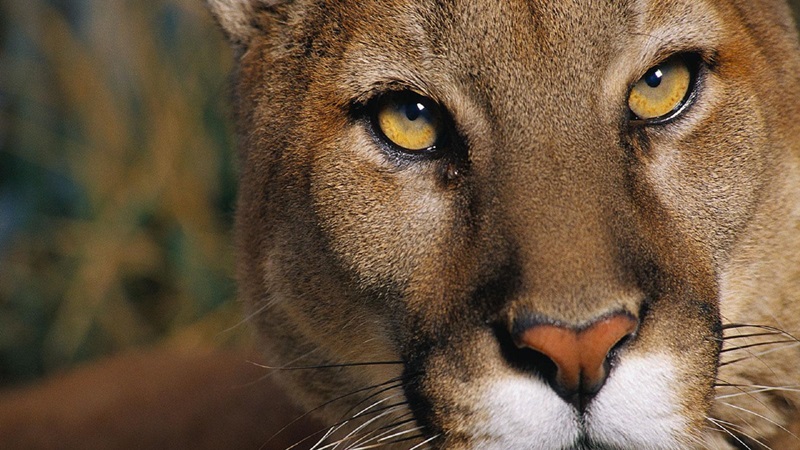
<point x="410" y="124"/>
<point x="662" y="90"/>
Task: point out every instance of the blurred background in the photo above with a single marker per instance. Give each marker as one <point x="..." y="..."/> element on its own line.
<point x="116" y="182"/>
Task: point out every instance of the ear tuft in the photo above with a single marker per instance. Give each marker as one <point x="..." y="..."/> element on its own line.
<point x="237" y="17"/>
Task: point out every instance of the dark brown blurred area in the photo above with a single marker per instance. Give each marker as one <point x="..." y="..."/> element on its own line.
<point x="158" y="399"/>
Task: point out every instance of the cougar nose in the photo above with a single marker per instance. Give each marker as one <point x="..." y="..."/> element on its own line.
<point x="580" y="355"/>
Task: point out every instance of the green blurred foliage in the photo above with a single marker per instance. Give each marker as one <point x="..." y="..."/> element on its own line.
<point x="116" y="180"/>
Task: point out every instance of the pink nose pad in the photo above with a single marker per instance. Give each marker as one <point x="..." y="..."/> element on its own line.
<point x="579" y="356"/>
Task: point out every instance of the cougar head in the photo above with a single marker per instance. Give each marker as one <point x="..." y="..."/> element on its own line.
<point x="524" y="224"/>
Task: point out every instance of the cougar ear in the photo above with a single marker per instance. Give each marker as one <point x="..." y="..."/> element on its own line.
<point x="238" y="18"/>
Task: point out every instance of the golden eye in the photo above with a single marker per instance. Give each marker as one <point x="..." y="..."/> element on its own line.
<point x="409" y="121"/>
<point x="662" y="90"/>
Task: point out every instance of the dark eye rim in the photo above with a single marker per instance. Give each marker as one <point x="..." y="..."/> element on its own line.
<point x="694" y="62"/>
<point x="432" y="152"/>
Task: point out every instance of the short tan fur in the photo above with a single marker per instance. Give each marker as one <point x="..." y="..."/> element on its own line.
<point x="545" y="201"/>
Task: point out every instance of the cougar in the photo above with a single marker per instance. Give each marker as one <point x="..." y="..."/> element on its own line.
<point x="523" y="224"/>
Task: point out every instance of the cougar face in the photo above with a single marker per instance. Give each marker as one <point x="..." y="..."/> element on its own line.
<point x="524" y="224"/>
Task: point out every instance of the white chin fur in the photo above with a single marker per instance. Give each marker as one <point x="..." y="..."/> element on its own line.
<point x="524" y="413"/>
<point x="636" y="409"/>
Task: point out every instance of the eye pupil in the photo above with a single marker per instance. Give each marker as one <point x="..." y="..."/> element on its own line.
<point x="413" y="111"/>
<point x="653" y="77"/>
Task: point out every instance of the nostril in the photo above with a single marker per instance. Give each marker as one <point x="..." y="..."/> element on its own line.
<point x="523" y="358"/>
<point x="621" y="343"/>
<point x="561" y="346"/>
<point x="578" y="357"/>
<point x="596" y="343"/>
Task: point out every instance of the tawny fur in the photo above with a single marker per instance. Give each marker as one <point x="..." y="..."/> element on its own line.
<point x="551" y="204"/>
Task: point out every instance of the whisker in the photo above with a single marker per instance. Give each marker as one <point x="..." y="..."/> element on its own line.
<point x="764" y="328"/>
<point x="700" y="443"/>
<point x="363" y="413"/>
<point x="397" y="382"/>
<point x="756" y="344"/>
<point x="757" y="355"/>
<point x="760" y="416"/>
<point x="364" y="447"/>
<point x="246" y="319"/>
<point x="349" y="435"/>
<point x="328" y="366"/>
<point x="387" y="429"/>
<point x="270" y="374"/>
<point x="307" y="413"/>
<point x="375" y="394"/>
<point x="753" y="397"/>
<point x="393" y="405"/>
<point x="392" y="436"/>
<point x="327" y="434"/>
<point x="337" y="426"/>
<point x="739" y="429"/>
<point x="405" y="439"/>
<point x="758" y="389"/>
<point x="720" y="426"/>
<point x="732" y="326"/>
<point x="752" y="335"/>
<point x="426" y="441"/>
<point x="380" y="439"/>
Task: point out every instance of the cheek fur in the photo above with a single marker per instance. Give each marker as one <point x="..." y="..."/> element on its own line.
<point x="381" y="220"/>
